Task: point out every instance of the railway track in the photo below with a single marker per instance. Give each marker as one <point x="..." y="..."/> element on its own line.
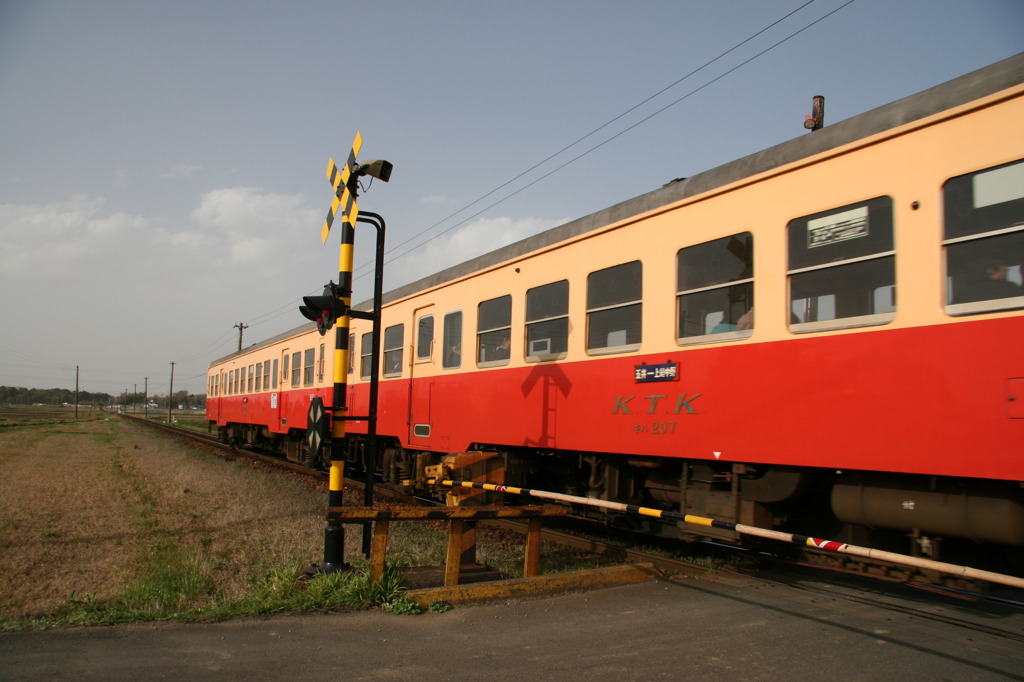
<point x="887" y="592"/>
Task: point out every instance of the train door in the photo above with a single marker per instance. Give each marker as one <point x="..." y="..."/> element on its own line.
<point x="421" y="387"/>
<point x="277" y="393"/>
<point x="213" y="406"/>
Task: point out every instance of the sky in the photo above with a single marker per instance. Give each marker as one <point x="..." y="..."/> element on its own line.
<point x="162" y="164"/>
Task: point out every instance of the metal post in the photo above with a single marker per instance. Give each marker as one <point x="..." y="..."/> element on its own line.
<point x="170" y="398"/>
<point x="377" y="221"/>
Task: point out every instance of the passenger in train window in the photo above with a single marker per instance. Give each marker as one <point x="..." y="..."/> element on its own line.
<point x="494" y="330"/>
<point x="989" y="281"/>
<point x="494" y="346"/>
<point x="715" y="288"/>
<point x="983" y="239"/>
<point x="502" y="352"/>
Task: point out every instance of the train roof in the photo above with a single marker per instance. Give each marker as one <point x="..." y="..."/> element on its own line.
<point x="974" y="85"/>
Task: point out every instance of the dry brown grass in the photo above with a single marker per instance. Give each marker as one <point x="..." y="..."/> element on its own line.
<point x="86" y="507"/>
<point x="103" y="520"/>
<point x="64" y="522"/>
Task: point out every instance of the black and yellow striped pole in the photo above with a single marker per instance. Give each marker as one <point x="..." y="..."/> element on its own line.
<point x="344" y="198"/>
<point x="345" y="184"/>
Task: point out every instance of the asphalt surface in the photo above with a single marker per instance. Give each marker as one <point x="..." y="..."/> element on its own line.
<point x="685" y="629"/>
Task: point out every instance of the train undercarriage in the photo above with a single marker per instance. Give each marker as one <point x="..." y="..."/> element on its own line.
<point x="967" y="521"/>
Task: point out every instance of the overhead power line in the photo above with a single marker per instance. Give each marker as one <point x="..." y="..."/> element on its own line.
<point x="362" y="269"/>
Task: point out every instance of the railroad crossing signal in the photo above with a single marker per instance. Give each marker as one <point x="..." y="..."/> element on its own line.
<point x="332" y="310"/>
<point x="343" y="195"/>
<point x="324" y="309"/>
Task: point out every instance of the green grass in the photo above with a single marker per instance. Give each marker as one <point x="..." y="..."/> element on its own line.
<point x="175" y="591"/>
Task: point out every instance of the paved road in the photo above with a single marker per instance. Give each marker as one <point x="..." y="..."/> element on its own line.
<point x="685" y="629"/>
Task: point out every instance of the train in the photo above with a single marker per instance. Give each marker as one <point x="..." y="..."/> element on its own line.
<point x="824" y="337"/>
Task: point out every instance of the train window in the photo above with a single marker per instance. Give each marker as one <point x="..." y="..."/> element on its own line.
<point x="308" y="366"/>
<point x="274" y="375"/>
<point x="842" y="267"/>
<point x="614" y="309"/>
<point x="494" y="331"/>
<point x="366" y="356"/>
<point x="266" y="375"/>
<point x="320" y="366"/>
<point x="351" y="353"/>
<point x="258" y="377"/>
<point x="393" y="340"/>
<point x="715" y="290"/>
<point x="984" y="240"/>
<point x="547" y="321"/>
<point x="251" y="377"/>
<point x="425" y="337"/>
<point x="452" y="341"/>
<point x="296" y="368"/>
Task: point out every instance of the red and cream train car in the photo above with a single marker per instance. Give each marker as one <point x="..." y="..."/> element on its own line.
<point x="827" y="335"/>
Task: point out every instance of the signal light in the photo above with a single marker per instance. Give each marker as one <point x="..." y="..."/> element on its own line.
<point x="325" y="309"/>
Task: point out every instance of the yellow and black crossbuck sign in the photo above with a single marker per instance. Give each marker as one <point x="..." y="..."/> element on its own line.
<point x="342" y="196"/>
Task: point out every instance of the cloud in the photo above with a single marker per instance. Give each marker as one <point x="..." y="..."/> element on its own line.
<point x="51" y="238"/>
<point x="254" y="225"/>
<point x="180" y="170"/>
<point x="144" y="288"/>
<point x="437" y="200"/>
<point x="81" y="240"/>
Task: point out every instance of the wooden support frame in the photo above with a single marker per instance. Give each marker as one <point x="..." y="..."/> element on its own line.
<point x="462" y="528"/>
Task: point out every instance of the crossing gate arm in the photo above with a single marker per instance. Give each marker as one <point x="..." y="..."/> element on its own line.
<point x="965" y="572"/>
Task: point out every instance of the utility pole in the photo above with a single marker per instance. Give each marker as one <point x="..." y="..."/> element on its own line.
<point x="76" y="391"/>
<point x="145" y="400"/>
<point x="170" y="398"/>
<point x="241" y="327"/>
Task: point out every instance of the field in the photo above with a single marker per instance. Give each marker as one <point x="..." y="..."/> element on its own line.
<point x="104" y="521"/>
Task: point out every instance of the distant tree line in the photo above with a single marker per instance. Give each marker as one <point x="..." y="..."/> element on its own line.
<point x="16" y="395"/>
